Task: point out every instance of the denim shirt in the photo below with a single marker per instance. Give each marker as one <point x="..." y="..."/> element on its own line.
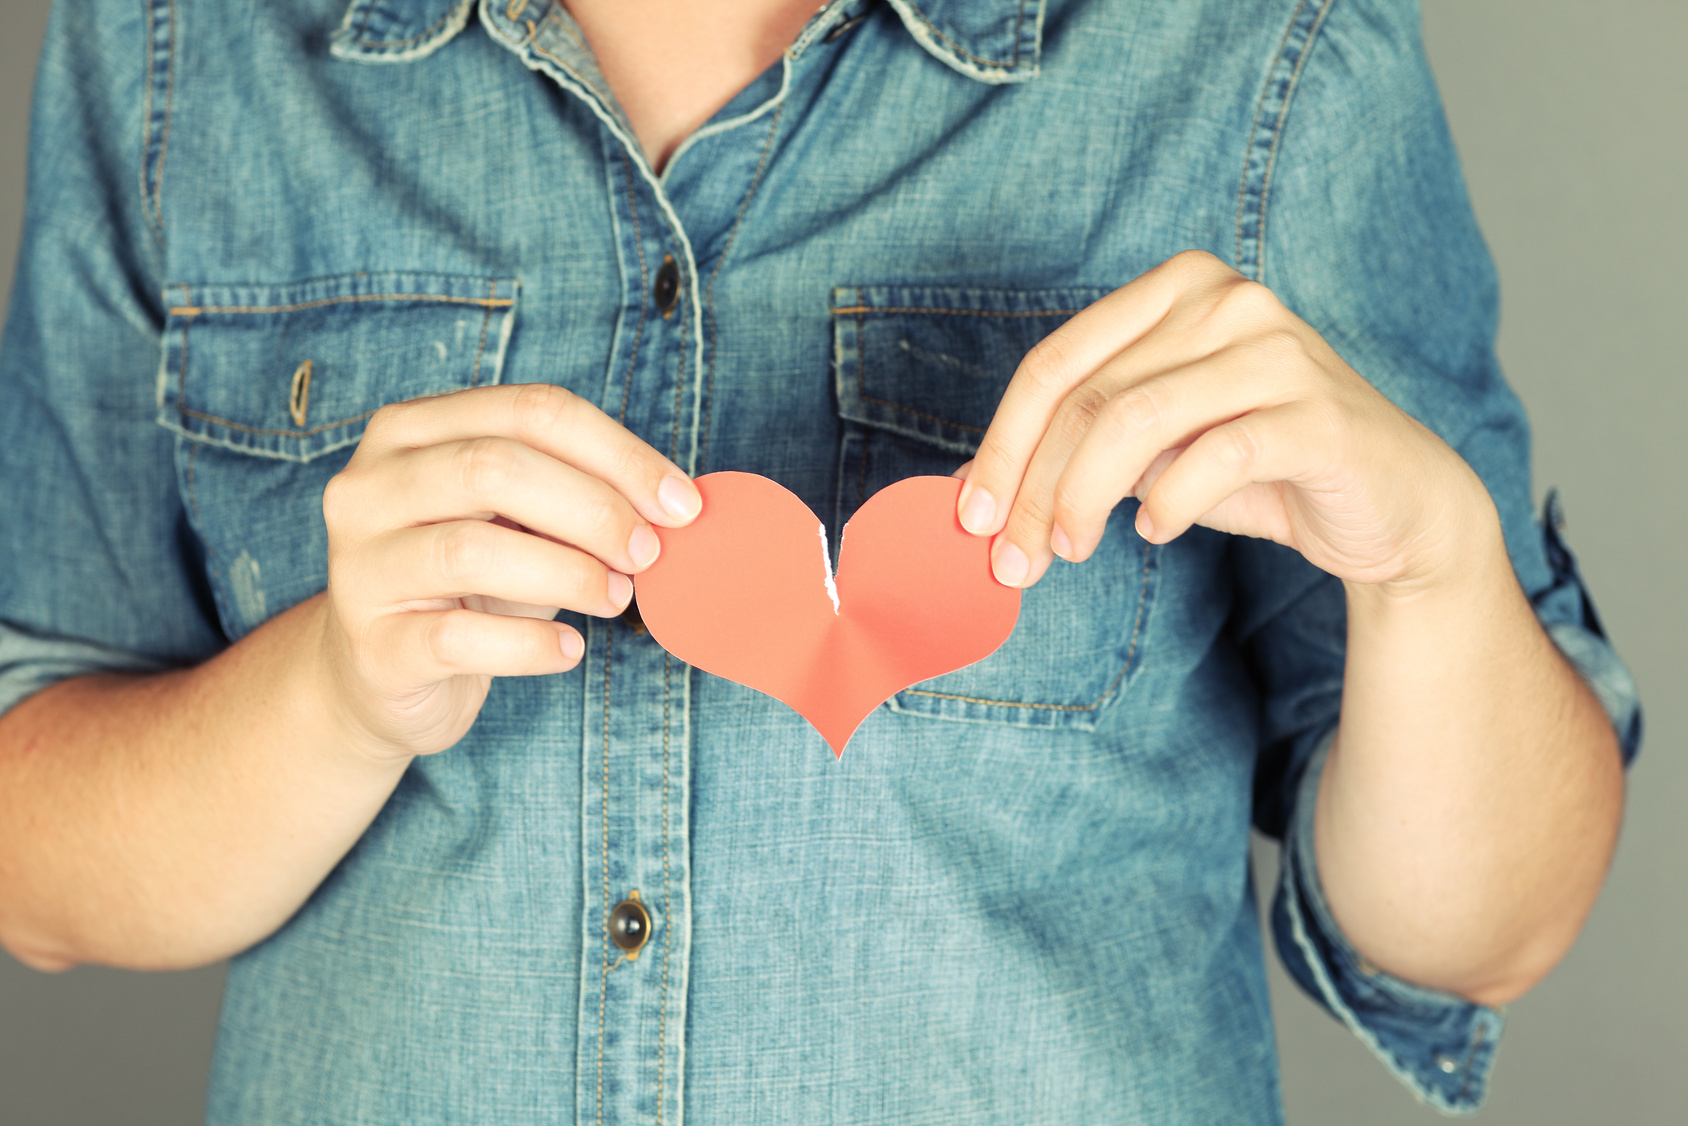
<point x="1022" y="896"/>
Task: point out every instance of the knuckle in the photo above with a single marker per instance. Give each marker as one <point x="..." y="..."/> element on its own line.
<point x="441" y="638"/>
<point x="462" y="550"/>
<point x="539" y="407"/>
<point x="1084" y="405"/>
<point x="483" y="466"/>
<point x="1047" y="366"/>
<point x="1033" y="510"/>
<point x="1235" y="447"/>
<point x="1250" y="302"/>
<point x="1135" y="412"/>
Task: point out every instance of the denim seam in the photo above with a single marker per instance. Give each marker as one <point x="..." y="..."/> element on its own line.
<point x="644" y="283"/>
<point x="720" y="263"/>
<point x="457" y="12"/>
<point x="188" y="412"/>
<point x="604" y="868"/>
<point x="859" y="309"/>
<point x="1019" y="23"/>
<point x="156" y="141"/>
<point x="1278" y="93"/>
<point x="560" y="73"/>
<point x="493" y="302"/>
<point x="667" y="913"/>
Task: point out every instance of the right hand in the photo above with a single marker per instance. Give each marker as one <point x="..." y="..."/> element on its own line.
<point x="459" y="528"/>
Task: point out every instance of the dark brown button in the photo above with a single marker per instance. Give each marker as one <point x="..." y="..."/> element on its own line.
<point x="666" y="291"/>
<point x="630" y="926"/>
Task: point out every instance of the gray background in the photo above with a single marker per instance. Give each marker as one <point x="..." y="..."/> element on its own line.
<point x="1569" y="116"/>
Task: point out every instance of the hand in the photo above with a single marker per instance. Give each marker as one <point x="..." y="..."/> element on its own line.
<point x="460" y="527"/>
<point x="1194" y="390"/>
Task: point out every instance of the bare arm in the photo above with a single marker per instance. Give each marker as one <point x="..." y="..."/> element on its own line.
<point x="171" y="820"/>
<point x="166" y="821"/>
<point x="1471" y="801"/>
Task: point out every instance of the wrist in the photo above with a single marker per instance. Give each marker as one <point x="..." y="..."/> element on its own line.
<point x="328" y="684"/>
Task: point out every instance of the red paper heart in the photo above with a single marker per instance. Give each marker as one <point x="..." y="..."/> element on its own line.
<point x="743" y="592"/>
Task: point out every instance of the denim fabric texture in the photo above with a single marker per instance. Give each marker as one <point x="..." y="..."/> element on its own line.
<point x="1023" y="895"/>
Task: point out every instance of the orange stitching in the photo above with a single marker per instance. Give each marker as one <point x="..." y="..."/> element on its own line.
<point x="206" y="310"/>
<point x="515" y="10"/>
<point x="1130" y="652"/>
<point x="604" y="978"/>
<point x="169" y="113"/>
<point x="1254" y="129"/>
<point x="1278" y="134"/>
<point x="146" y="113"/>
<point x="644" y="284"/>
<point x="960" y="50"/>
<point x="860" y="309"/>
<point x="709" y="288"/>
<point x="417" y="38"/>
<point x="203" y="417"/>
<point x="667" y="913"/>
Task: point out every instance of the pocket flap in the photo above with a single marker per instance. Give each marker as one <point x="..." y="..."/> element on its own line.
<point x="932" y="362"/>
<point x="295" y="371"/>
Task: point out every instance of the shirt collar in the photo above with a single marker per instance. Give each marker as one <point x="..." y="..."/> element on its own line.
<point x="994" y="41"/>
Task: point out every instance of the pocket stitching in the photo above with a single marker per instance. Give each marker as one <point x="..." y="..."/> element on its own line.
<point x="189" y="312"/>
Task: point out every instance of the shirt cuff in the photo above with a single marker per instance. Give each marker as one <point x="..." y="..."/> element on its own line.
<point x="1567" y="612"/>
<point x="1442" y="1046"/>
<point x="31" y="661"/>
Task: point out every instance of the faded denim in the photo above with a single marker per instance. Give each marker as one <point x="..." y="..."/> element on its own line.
<point x="1023" y="895"/>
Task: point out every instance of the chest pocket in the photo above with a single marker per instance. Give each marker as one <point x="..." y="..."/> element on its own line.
<point x="269" y="389"/>
<point x="919" y="372"/>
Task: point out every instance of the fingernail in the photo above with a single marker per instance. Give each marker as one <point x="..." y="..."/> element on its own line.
<point x="1145" y="526"/>
<point x="978" y="511"/>
<point x="642" y="546"/>
<point x="1059" y="541"/>
<point x="573" y="645"/>
<point x="1010" y="564"/>
<point x="679" y="498"/>
<point x="619" y="588"/>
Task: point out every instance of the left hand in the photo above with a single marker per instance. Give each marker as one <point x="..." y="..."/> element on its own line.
<point x="1194" y="390"/>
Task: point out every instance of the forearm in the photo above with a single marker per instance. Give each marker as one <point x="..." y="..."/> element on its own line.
<point x="1471" y="799"/>
<point x="171" y="820"/>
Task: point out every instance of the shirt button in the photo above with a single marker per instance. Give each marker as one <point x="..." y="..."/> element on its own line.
<point x="667" y="288"/>
<point x="630" y="926"/>
<point x="1446" y="1064"/>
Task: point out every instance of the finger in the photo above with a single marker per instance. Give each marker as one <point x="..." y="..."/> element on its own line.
<point x="1062" y="361"/>
<point x="460" y="558"/>
<point x="555" y="422"/>
<point x="1133" y="416"/>
<point x="481" y="478"/>
<point x="1264" y="447"/>
<point x="427" y="648"/>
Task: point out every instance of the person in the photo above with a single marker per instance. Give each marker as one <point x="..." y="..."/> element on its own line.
<point x="358" y="348"/>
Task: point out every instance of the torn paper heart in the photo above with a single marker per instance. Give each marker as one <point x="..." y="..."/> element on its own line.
<point x="746" y="593"/>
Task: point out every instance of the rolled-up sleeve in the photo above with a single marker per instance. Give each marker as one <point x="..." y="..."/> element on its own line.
<point x="1370" y="239"/>
<point x="98" y="568"/>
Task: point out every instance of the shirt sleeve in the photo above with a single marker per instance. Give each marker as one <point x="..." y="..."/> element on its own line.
<point x="98" y="568"/>
<point x="1365" y="231"/>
